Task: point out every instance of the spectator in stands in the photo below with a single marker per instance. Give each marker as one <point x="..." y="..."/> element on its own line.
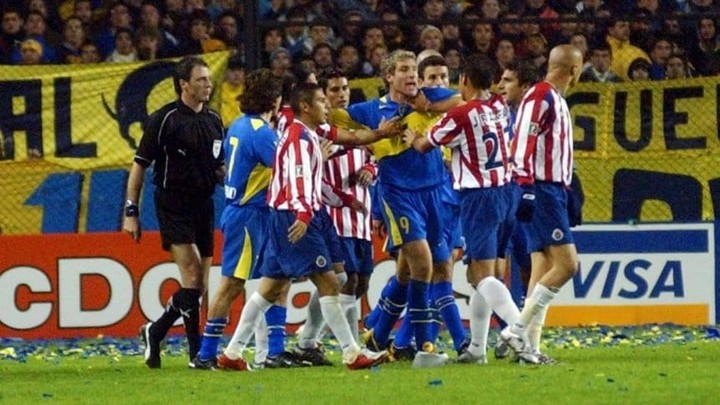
<point x="489" y="9"/>
<point x="511" y="28"/>
<point x="12" y="33"/>
<point x="641" y="33"/>
<point x="51" y="17"/>
<point x="147" y="44"/>
<point x="536" y="47"/>
<point x="568" y="27"/>
<point x="395" y="36"/>
<point x="150" y="19"/>
<point x="295" y="34"/>
<point x="453" y="57"/>
<point x="372" y="66"/>
<point x="319" y="32"/>
<point x="599" y="70"/>
<point x="483" y="37"/>
<point x="348" y="61"/>
<point x="73" y="38"/>
<point x="280" y="62"/>
<point x="118" y="18"/>
<point x="272" y="10"/>
<point x="433" y="11"/>
<point x="451" y="31"/>
<point x="83" y="10"/>
<point x="579" y="41"/>
<point x="350" y="29"/>
<point x="232" y="87"/>
<point x="31" y="52"/>
<point x="639" y="70"/>
<point x="589" y="5"/>
<point x="324" y="57"/>
<point x="201" y="38"/>
<point x="618" y="37"/>
<point x="36" y="28"/>
<point x="229" y="30"/>
<point x="431" y="38"/>
<point x="372" y="36"/>
<point x="124" y="47"/>
<point x="677" y="67"/>
<point x="659" y="55"/>
<point x="704" y="53"/>
<point x="704" y="7"/>
<point x="504" y="54"/>
<point x="542" y="10"/>
<point x="174" y="18"/>
<point x="89" y="53"/>
<point x="272" y="39"/>
<point x="673" y="30"/>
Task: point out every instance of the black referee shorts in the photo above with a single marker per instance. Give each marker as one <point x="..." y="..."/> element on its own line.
<point x="185" y="218"/>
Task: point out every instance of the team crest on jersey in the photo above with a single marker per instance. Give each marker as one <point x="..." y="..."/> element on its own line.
<point x="534" y="129"/>
<point x="321" y="262"/>
<point x="298" y="171"/>
<point x="217" y="147"/>
<point x="557" y="234"/>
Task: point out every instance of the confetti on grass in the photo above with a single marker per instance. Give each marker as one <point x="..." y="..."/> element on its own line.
<point x="54" y="351"/>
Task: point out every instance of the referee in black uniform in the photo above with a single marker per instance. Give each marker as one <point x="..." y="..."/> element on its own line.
<point x="184" y="141"/>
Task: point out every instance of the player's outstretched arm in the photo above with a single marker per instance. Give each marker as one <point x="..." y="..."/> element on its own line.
<point x="363" y="136"/>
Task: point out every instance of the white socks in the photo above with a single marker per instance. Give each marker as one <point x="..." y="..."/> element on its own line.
<point x="536" y="303"/>
<point x="333" y="314"/>
<point x="313" y="324"/>
<point x="261" y="340"/>
<point x="499" y="299"/>
<point x="253" y="310"/>
<point x="349" y="307"/>
<point x="480" y="313"/>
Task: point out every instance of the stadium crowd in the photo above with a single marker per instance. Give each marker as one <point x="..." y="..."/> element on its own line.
<point x="621" y="40"/>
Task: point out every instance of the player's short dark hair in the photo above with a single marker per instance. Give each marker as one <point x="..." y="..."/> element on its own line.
<point x="183" y="70"/>
<point x="302" y="93"/>
<point x="479" y="70"/>
<point x="433" y="60"/>
<point x="525" y="71"/>
<point x="328" y="75"/>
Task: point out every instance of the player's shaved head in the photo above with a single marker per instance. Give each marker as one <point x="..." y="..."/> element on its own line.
<point x="564" y="66"/>
<point x="564" y="57"/>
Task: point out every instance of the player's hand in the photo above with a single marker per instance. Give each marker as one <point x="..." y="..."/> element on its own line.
<point x="526" y="208"/>
<point x="419" y="103"/>
<point x="363" y="178"/>
<point x="409" y="137"/>
<point x="391" y="127"/>
<point x="358" y="206"/>
<point x="131" y="225"/>
<point x="326" y="149"/>
<point x="378" y="228"/>
<point x="296" y="231"/>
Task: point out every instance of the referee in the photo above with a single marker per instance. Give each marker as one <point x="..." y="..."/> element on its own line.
<point x="184" y="141"/>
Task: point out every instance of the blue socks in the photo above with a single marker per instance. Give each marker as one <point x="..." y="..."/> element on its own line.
<point x="214" y="329"/>
<point x="390" y="309"/>
<point x="419" y="312"/>
<point x="442" y="296"/>
<point x="275" y="318"/>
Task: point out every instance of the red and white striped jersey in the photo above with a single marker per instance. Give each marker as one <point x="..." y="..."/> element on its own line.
<point x="296" y="183"/>
<point x="340" y="172"/>
<point x="542" y="146"/>
<point x="285" y="117"/>
<point x="477" y="135"/>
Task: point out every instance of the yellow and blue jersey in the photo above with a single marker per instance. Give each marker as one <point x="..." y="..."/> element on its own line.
<point x="249" y="155"/>
<point x="398" y="164"/>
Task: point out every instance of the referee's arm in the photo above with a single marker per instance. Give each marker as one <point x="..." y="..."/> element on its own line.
<point x="131" y="223"/>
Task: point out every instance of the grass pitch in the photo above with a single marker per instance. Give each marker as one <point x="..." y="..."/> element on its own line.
<point x="632" y="369"/>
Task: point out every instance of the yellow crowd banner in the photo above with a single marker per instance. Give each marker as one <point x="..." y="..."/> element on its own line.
<point x="645" y="151"/>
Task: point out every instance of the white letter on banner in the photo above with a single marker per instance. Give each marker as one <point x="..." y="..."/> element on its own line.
<point x="149" y="291"/>
<point x="37" y="313"/>
<point x="70" y="294"/>
<point x="297" y="315"/>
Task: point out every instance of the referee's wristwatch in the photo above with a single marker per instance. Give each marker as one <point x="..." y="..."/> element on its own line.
<point x="131" y="209"/>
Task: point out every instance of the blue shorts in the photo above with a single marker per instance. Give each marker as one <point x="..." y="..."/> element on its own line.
<point x="282" y="259"/>
<point x="484" y="213"/>
<point x="332" y="240"/>
<point x="417" y="215"/>
<point x="245" y="234"/>
<point x="358" y="255"/>
<point x="453" y="230"/>
<point x="550" y="224"/>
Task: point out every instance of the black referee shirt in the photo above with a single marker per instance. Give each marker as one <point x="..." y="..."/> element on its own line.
<point x="186" y="147"/>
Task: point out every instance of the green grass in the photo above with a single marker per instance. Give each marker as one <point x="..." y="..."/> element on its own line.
<point x="654" y="374"/>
